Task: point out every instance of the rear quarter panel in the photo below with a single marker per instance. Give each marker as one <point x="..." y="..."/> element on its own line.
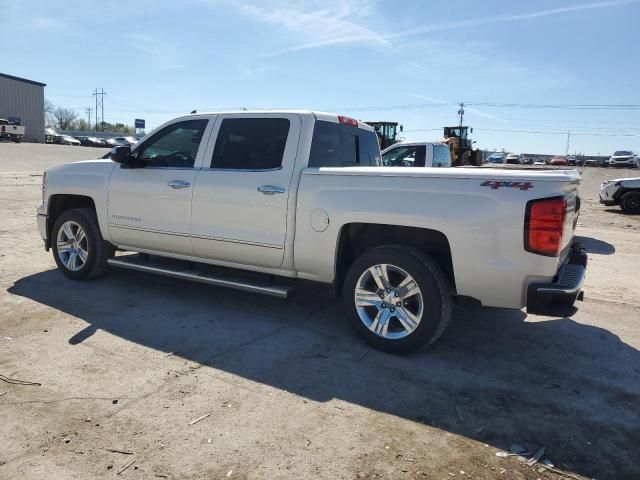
<point x="484" y="225"/>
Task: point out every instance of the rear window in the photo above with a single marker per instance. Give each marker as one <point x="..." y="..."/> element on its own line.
<point x="338" y="145"/>
<point x="441" y="156"/>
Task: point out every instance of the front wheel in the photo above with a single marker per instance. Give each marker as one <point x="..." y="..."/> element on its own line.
<point x="77" y="244"/>
<point x="398" y="299"/>
<point x="630" y="203"/>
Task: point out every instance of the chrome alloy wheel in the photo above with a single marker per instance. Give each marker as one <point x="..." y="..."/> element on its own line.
<point x="388" y="301"/>
<point x="72" y="246"/>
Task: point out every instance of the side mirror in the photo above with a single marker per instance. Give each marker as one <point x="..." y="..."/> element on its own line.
<point x="120" y="154"/>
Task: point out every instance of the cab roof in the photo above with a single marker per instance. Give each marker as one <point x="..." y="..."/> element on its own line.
<point x="324" y="116"/>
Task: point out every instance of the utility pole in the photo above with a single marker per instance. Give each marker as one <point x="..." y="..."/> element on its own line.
<point x="461" y="112"/>
<point x="88" y="111"/>
<point x="568" y="140"/>
<point x="100" y="105"/>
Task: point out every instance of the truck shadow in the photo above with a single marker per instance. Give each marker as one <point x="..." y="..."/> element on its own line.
<point x="493" y="377"/>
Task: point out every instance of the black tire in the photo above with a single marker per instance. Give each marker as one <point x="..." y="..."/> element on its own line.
<point x="434" y="287"/>
<point x="630" y="203"/>
<point x="98" y="251"/>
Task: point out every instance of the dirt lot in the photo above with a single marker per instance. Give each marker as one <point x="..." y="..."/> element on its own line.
<point x="128" y="361"/>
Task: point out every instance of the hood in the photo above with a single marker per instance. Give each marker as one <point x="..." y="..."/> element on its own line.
<point x="82" y="166"/>
<point x="629" y="179"/>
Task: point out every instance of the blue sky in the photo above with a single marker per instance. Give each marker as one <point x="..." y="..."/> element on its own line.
<point x="408" y="61"/>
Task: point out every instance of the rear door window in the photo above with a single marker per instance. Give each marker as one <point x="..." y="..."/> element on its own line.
<point x="250" y="143"/>
<point x="338" y="145"/>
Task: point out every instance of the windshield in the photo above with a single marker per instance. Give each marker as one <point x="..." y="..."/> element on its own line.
<point x="622" y="153"/>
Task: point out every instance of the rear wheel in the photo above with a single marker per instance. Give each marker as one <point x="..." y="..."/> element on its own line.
<point x="630" y="202"/>
<point x="398" y="299"/>
<point x="78" y="247"/>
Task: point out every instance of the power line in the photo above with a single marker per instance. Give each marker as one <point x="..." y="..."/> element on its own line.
<point x="586" y="134"/>
<point x="537" y="132"/>
<point x="607" y="106"/>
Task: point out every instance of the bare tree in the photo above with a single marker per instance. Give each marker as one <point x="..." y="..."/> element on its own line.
<point x="64" y="118"/>
<point x="49" y="107"/>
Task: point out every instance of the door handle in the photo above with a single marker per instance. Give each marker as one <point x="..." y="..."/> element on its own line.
<point x="178" y="184"/>
<point x="270" y="189"/>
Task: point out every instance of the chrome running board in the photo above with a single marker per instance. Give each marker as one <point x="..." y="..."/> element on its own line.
<point x="138" y="263"/>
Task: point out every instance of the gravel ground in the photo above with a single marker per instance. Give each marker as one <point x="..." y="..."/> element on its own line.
<point x="127" y="362"/>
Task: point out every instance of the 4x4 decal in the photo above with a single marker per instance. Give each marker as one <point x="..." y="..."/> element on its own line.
<point x="496" y="184"/>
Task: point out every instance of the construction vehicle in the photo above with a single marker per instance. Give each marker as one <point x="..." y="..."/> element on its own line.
<point x="387" y="133"/>
<point x="461" y="146"/>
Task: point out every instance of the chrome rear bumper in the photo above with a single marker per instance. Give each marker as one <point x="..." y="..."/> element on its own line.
<point x="545" y="298"/>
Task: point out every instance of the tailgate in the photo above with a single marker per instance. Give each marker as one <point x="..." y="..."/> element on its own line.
<point x="572" y="212"/>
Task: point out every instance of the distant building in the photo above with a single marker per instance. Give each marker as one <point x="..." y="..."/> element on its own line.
<point x="22" y="101"/>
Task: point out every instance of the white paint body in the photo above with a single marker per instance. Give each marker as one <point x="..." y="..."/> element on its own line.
<point x="223" y="220"/>
<point x="609" y="188"/>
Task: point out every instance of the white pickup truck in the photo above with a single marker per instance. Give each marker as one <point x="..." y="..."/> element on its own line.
<point x="11" y="131"/>
<point x="417" y="154"/>
<point x="302" y="195"/>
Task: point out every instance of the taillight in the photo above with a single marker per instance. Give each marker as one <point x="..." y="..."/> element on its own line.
<point x="348" y="121"/>
<point x="543" y="226"/>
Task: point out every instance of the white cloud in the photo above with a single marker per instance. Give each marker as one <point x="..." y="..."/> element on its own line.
<point x="436" y="27"/>
<point x="159" y="54"/>
<point x="315" y="24"/>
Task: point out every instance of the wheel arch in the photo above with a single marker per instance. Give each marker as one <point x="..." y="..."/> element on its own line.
<point x="356" y="238"/>
<point x="623" y="191"/>
<point x="59" y="203"/>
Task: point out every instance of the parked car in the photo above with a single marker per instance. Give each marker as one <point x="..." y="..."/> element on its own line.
<point x="623" y="158"/>
<point x="496" y="158"/>
<point x="591" y="162"/>
<point x="86" y="141"/>
<point x="417" y="154"/>
<point x="622" y="191"/>
<point x="95" y="142"/>
<point x="69" y="140"/>
<point x="558" y="161"/>
<point x="540" y="163"/>
<point x="301" y="195"/>
<point x="51" y="136"/>
<point x="513" y="159"/>
<point x="130" y="141"/>
<point x="111" y="142"/>
<point x="571" y="160"/>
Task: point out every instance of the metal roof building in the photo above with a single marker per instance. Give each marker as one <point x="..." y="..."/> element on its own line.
<point x="22" y="100"/>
